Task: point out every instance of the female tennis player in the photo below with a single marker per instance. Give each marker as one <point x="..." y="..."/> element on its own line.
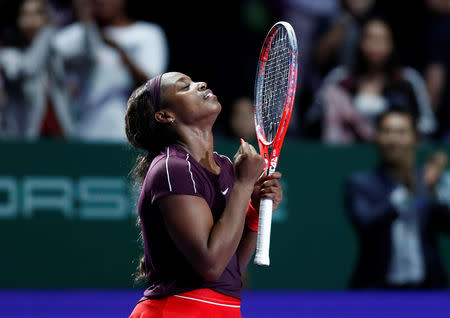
<point x="197" y="209"/>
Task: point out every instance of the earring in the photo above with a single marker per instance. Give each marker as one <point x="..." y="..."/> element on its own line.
<point x="172" y="120"/>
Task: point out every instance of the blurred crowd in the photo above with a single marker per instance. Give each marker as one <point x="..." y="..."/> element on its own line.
<point x="73" y="80"/>
<point x="68" y="67"/>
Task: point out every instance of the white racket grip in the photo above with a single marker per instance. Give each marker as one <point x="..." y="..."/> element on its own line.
<point x="263" y="236"/>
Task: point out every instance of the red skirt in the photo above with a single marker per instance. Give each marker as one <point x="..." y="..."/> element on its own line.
<point x="197" y="303"/>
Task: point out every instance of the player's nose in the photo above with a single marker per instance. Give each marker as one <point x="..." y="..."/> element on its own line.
<point x="202" y="86"/>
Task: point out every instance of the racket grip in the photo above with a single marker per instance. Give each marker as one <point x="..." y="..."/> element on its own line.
<point x="263" y="236"/>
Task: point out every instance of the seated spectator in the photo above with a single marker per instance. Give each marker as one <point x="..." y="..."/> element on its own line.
<point x="107" y="54"/>
<point x="351" y="98"/>
<point x="34" y="99"/>
<point x="437" y="71"/>
<point x="395" y="211"/>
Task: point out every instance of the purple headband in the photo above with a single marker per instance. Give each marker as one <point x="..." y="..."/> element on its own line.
<point x="153" y="85"/>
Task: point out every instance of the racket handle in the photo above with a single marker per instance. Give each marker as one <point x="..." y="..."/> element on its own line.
<point x="263" y="236"/>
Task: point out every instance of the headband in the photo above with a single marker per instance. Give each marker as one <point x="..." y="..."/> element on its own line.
<point x="153" y="86"/>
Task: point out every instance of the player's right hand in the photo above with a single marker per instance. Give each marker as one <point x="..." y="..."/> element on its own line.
<point x="248" y="164"/>
<point x="268" y="187"/>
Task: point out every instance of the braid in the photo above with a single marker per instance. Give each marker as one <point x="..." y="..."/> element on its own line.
<point x="144" y="132"/>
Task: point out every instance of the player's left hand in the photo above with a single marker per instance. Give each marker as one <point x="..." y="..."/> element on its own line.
<point x="268" y="187"/>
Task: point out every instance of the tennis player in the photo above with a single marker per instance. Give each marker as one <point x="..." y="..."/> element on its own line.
<point x="197" y="209"/>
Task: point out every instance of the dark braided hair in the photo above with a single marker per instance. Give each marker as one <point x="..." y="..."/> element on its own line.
<point x="145" y="132"/>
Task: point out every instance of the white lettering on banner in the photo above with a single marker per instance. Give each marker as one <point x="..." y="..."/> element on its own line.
<point x="41" y="193"/>
<point x="102" y="198"/>
<point x="8" y="209"/>
<point x="88" y="198"/>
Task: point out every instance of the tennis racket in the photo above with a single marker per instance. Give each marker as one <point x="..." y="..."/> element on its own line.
<point x="276" y="81"/>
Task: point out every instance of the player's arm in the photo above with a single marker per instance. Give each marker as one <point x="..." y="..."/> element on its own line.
<point x="265" y="187"/>
<point x="208" y="246"/>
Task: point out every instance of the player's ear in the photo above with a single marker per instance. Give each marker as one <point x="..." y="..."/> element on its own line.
<point x="164" y="117"/>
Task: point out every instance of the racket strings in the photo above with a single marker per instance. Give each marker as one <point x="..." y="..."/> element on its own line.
<point x="275" y="84"/>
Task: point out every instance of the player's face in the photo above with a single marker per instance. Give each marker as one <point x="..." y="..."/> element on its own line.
<point x="191" y="101"/>
<point x="396" y="138"/>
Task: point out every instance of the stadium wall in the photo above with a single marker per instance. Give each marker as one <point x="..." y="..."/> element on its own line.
<point x="68" y="219"/>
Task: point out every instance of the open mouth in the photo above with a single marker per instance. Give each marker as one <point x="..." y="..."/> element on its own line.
<point x="208" y="94"/>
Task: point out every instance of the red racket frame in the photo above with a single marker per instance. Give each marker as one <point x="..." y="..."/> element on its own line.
<point x="277" y="142"/>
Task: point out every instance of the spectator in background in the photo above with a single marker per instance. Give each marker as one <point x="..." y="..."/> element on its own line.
<point x="395" y="212"/>
<point x="242" y="120"/>
<point x="438" y="70"/>
<point x="34" y="100"/>
<point x="307" y="18"/>
<point x="107" y="54"/>
<point x="339" y="43"/>
<point x="352" y="97"/>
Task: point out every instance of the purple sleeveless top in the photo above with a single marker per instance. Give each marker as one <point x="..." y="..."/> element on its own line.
<point x="174" y="171"/>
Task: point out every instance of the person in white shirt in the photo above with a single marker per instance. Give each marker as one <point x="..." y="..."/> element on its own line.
<point x="34" y="100"/>
<point x="107" y="54"/>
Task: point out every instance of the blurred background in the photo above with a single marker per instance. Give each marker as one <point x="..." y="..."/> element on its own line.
<point x="366" y="186"/>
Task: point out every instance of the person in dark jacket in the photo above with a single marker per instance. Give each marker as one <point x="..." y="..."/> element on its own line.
<point x="396" y="213"/>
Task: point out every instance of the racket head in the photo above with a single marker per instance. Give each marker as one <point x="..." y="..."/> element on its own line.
<point x="275" y="86"/>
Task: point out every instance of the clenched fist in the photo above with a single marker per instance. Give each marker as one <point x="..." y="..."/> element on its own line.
<point x="248" y="164"/>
